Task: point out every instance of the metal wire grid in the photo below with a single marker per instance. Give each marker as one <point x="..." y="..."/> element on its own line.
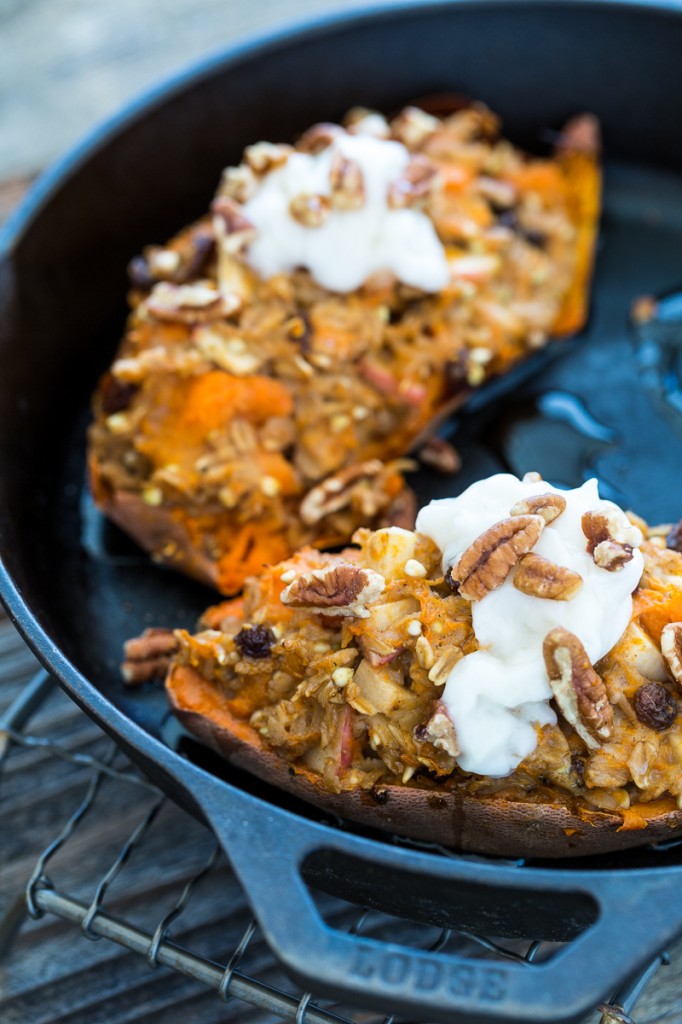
<point x="229" y="980"/>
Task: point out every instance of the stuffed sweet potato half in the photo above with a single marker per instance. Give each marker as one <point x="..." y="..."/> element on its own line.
<point x="365" y="682"/>
<point x="284" y="353"/>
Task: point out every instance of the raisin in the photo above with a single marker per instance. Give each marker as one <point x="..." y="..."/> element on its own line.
<point x="116" y="394"/>
<point x="255" y="641"/>
<point x="380" y="796"/>
<point x="655" y="707"/>
<point x="300" y="330"/>
<point x="140" y="274"/>
<point x="578" y="768"/>
<point x="674" y="538"/>
<point x="450" y="582"/>
<point x="509" y="219"/>
<point x="203" y="248"/>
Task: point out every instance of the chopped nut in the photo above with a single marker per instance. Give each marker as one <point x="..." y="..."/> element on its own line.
<point x="532" y="477"/>
<point x="226" y="352"/>
<point x="254" y="641"/>
<point x="671" y="649"/>
<point x="319" y="137"/>
<point x="266" y="156"/>
<point x="347" y="183"/>
<point x="611" y="538"/>
<point x="152" y="496"/>
<point x="163" y="262"/>
<point x="549" y="506"/>
<point x="335" y="492"/>
<point x="234" y="229"/>
<point x="539" y="577"/>
<point x="578" y="690"/>
<point x="340" y="589"/>
<point x="414" y="185"/>
<point x="440" y="730"/>
<point x="500" y="194"/>
<point x="361" y="121"/>
<point x="311" y="211"/>
<point x="238" y="183"/>
<point x="190" y="303"/>
<point x="655" y="707"/>
<point x="413" y="127"/>
<point x="148" y="656"/>
<point x="288" y="576"/>
<point x="441" y="455"/>
<point x="270" y="486"/>
<point x="414" y="627"/>
<point x="487" y="562"/>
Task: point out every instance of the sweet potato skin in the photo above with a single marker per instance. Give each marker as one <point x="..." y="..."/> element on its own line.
<point x="435" y="814"/>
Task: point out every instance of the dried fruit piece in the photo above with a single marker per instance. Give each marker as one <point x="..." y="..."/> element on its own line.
<point x="310" y="210"/>
<point x="549" y="506"/>
<point x="340" y="589"/>
<point x="671" y="649"/>
<point x="539" y="577"/>
<point x="578" y="690"/>
<point x="347" y="183"/>
<point x="655" y="707"/>
<point x="487" y="562"/>
<point x="148" y="656"/>
<point x="673" y="539"/>
<point x="611" y="538"/>
<point x="254" y="641"/>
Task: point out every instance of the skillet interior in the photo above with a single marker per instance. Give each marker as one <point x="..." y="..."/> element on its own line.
<point x="62" y="285"/>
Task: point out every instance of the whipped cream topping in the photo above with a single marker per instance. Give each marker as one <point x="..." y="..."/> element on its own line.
<point x="499" y="694"/>
<point x="351" y="245"/>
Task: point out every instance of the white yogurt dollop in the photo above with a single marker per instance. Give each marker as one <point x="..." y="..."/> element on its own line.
<point x="353" y="244"/>
<point x="497" y="695"/>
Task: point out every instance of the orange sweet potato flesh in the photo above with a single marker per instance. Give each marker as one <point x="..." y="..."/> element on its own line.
<point x="438" y="813"/>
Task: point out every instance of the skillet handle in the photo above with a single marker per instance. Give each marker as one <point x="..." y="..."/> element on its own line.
<point x="636" y="913"/>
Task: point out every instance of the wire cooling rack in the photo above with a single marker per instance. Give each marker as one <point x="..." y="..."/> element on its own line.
<point x="245" y="975"/>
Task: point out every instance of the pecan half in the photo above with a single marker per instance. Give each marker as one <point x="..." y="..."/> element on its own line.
<point x="319" y="137"/>
<point x="361" y="121"/>
<point x="341" y="589"/>
<point x="335" y="492"/>
<point x="440" y="455"/>
<point x="415" y="184"/>
<point x="148" y="656"/>
<point x="671" y="649"/>
<point x="578" y="690"/>
<point x="190" y="303"/>
<point x="238" y="183"/>
<point x="611" y="538"/>
<point x="266" y="156"/>
<point x="440" y="730"/>
<point x="413" y="127"/>
<point x="311" y="211"/>
<point x="347" y="183"/>
<point x="486" y="563"/>
<point x="231" y="226"/>
<point x="654" y="706"/>
<point x="539" y="577"/>
<point x="549" y="506"/>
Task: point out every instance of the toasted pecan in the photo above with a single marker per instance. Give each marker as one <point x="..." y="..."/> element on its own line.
<point x="611" y="538"/>
<point x="487" y="562"/>
<point x="341" y="589"/>
<point x="549" y="506"/>
<point x="578" y="690"/>
<point x="671" y="649"/>
<point x="539" y="577"/>
<point x="148" y="656"/>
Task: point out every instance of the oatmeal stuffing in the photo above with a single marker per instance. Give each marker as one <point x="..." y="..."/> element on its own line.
<point x="247" y="410"/>
<point x="356" y="698"/>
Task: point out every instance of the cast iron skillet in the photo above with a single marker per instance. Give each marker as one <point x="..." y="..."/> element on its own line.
<point x="76" y="589"/>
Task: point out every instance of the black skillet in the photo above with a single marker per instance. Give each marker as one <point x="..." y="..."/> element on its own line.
<point x="76" y="589"/>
